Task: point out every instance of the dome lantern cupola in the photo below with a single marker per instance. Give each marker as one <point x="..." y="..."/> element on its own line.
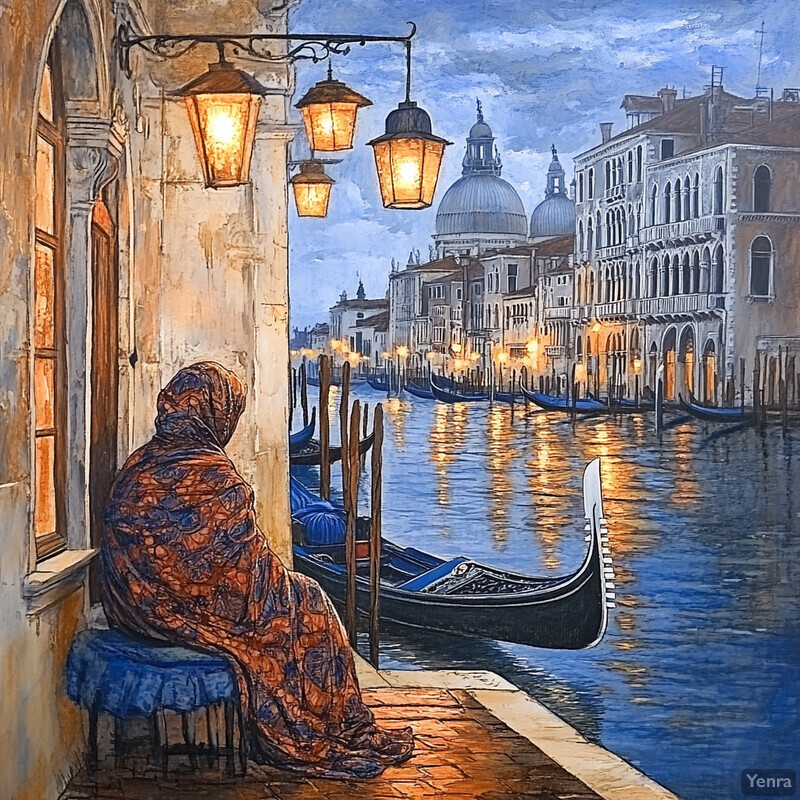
<point x="481" y="210"/>
<point x="555" y="215"/>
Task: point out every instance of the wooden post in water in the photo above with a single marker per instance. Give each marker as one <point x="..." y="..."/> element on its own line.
<point x="660" y="400"/>
<point x="741" y="383"/>
<point x="353" y="474"/>
<point x="375" y="538"/>
<point x="574" y="390"/>
<point x="304" y="391"/>
<point x="292" y="394"/>
<point x="324" y="428"/>
<point x="756" y="386"/>
<point x="782" y="394"/>
<point x="344" y="411"/>
<point x="365" y="427"/>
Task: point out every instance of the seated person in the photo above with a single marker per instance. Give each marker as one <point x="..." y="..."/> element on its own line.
<point x="183" y="560"/>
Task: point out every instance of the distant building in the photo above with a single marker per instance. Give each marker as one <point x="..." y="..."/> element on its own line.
<point x="555" y="215"/>
<point x="347" y="321"/>
<point x="481" y="211"/>
<point x="688" y="243"/>
<point x="318" y="337"/>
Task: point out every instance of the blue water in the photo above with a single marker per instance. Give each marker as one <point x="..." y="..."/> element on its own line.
<point x="698" y="676"/>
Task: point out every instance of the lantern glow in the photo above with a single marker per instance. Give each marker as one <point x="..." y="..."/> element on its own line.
<point x="223" y="106"/>
<point x="408" y="157"/>
<point x="402" y="351"/>
<point x="329" y="111"/>
<point x="312" y="190"/>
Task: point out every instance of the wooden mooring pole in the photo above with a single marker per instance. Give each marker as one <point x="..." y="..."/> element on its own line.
<point x="351" y="455"/>
<point x="375" y="538"/>
<point x="324" y="428"/>
<point x="304" y="392"/>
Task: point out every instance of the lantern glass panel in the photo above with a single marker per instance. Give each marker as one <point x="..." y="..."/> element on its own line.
<point x="408" y="169"/>
<point x="330" y="126"/>
<point x="224" y="128"/>
<point x="312" y="199"/>
<point x="430" y="172"/>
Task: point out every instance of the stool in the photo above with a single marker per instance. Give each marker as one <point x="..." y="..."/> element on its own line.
<point x="128" y="676"/>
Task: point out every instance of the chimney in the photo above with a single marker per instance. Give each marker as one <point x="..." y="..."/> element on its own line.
<point x="605" y="130"/>
<point x="668" y="96"/>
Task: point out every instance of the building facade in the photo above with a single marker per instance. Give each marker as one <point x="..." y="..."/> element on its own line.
<point x="110" y="243"/>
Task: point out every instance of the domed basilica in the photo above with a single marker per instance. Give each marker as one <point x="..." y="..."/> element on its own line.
<point x="481" y="211"/>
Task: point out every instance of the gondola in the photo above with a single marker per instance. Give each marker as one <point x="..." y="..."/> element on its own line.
<point x="583" y="405"/>
<point x="445" y="396"/>
<point x="508" y="397"/>
<point x="297" y="441"/>
<point x="378" y="385"/>
<point x="418" y="391"/>
<point x="706" y="413"/>
<point x="311" y="454"/>
<point x="313" y="380"/>
<point x="464" y="597"/>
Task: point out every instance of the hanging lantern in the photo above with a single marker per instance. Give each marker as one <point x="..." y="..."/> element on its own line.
<point x="329" y="113"/>
<point x="312" y="189"/>
<point x="408" y="157"/>
<point x="223" y="106"/>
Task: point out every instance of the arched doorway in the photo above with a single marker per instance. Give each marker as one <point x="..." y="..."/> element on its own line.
<point x="668" y="350"/>
<point x="710" y="372"/>
<point x="686" y="361"/>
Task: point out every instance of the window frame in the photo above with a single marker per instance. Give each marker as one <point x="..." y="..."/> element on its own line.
<point x="770" y="269"/>
<point x="53" y="133"/>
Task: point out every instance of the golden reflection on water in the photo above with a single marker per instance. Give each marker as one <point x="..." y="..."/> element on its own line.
<point x="397" y="410"/>
<point x="447" y="439"/>
<point x="501" y="488"/>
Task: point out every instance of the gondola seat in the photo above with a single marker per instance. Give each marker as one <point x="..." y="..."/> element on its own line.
<point x="420" y="582"/>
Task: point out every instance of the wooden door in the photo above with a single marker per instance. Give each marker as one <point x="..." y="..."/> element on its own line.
<point x="104" y="379"/>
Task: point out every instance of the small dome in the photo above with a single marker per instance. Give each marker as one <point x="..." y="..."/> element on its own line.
<point x="480" y="130"/>
<point x="554" y="216"/>
<point x="481" y="203"/>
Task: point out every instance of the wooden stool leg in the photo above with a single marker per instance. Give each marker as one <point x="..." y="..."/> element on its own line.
<point x="93" y="714"/>
<point x="188" y="725"/>
<point x="120" y="748"/>
<point x="155" y="738"/>
<point x="242" y="740"/>
<point x="211" y="730"/>
<point x="230" y="767"/>
<point x="165" y="746"/>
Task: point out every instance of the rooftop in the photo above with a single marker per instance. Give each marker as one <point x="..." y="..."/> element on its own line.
<point x="378" y="321"/>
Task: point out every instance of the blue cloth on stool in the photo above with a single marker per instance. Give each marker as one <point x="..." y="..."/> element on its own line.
<point x="127" y="676"/>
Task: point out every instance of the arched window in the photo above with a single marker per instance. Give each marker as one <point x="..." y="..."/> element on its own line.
<point x="49" y="386"/>
<point x="636" y="283"/>
<point x="638" y="217"/>
<point x="761" y="186"/>
<point x="607" y="294"/>
<point x="599" y="230"/>
<point x="620" y="171"/>
<point x="719" y="198"/>
<point x="579" y="348"/>
<point x="686" y="276"/>
<point x="580" y="187"/>
<point x="591" y="182"/>
<point x="609" y="239"/>
<point x="630" y="166"/>
<point x="761" y="261"/>
<point x="687" y="198"/>
<point x="696" y="272"/>
<point x="696" y="196"/>
<point x="608" y="175"/>
<point x="665" y="277"/>
<point x="718" y="278"/>
<point x="678" y="200"/>
<point x="668" y="202"/>
<point x="590" y="236"/>
<point x="639" y="163"/>
<point x="580" y="236"/>
<point x="675" y="275"/>
<point x="653" y="204"/>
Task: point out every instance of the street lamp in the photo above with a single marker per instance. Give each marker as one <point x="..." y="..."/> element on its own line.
<point x="408" y="155"/>
<point x="223" y="106"/>
<point x="312" y="189"/>
<point x="329" y="111"/>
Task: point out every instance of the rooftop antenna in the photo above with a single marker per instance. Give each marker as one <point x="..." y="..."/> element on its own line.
<point x="760" y="90"/>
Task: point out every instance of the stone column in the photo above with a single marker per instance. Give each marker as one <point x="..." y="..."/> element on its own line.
<point x="90" y="166"/>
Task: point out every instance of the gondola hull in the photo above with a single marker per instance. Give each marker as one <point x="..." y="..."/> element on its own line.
<point x="727" y="416"/>
<point x="568" y="613"/>
<point x="298" y="441"/>
<point x="550" y="403"/>
<point x="418" y="391"/>
<point x="444" y="396"/>
<point x="310" y="455"/>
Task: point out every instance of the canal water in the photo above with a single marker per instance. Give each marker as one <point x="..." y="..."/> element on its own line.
<point x="698" y="677"/>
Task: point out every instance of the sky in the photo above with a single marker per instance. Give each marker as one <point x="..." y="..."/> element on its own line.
<point x="546" y="71"/>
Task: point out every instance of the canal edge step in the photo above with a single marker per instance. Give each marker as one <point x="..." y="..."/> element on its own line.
<point x="604" y="772"/>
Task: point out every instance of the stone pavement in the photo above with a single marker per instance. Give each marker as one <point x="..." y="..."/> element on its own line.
<point x="463" y="752"/>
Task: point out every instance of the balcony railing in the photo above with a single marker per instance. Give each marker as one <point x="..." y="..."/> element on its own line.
<point x="686" y="227"/>
<point x="617" y="308"/>
<point x="558" y="312"/>
<point x="615" y="193"/>
<point x="681" y="304"/>
<point x="554" y="350"/>
<point x="615" y="251"/>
